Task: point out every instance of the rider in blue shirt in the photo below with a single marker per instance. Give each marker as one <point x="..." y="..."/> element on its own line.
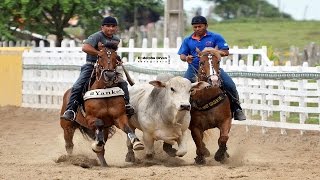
<point x="200" y="39"/>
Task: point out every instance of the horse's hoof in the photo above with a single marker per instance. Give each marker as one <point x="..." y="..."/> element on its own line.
<point x="137" y="146"/>
<point x="200" y="160"/>
<point x="221" y="157"/>
<point x="130" y="157"/>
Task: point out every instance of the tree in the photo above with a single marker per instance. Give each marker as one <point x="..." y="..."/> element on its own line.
<point x="52" y="16"/>
<point x="131" y="13"/>
<point x="48" y="16"/>
<point x="232" y="9"/>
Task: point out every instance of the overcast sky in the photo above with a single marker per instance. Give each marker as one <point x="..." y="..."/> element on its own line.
<point x="298" y="9"/>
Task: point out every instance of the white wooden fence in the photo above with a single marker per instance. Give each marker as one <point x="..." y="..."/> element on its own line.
<point x="265" y="90"/>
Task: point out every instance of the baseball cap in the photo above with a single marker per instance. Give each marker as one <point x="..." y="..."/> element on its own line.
<point x="109" y="21"/>
<point x="198" y="20"/>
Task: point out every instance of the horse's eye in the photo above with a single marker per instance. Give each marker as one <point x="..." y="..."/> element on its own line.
<point x="172" y="89"/>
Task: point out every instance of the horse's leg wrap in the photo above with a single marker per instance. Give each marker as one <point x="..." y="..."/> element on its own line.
<point x="99" y="132"/>
<point x="136" y="143"/>
<point x="132" y="137"/>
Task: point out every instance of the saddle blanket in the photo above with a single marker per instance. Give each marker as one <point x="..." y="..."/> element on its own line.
<point x="103" y="93"/>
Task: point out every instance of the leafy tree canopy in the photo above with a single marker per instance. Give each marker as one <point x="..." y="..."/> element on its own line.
<point x="233" y="9"/>
<point x="52" y="16"/>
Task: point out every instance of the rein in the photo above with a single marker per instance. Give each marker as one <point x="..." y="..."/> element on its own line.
<point x="212" y="72"/>
<point x="103" y="69"/>
<point x="106" y="73"/>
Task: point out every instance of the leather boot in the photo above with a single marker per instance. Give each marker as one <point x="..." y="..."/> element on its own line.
<point x="236" y="108"/>
<point x="70" y="113"/>
<point x="129" y="108"/>
<point x="239" y="115"/>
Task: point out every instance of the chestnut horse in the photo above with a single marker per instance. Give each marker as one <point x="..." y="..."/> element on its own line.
<point x="210" y="107"/>
<point x="104" y="107"/>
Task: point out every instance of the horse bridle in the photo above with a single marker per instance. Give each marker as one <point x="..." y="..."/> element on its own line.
<point x="109" y="75"/>
<point x="212" y="70"/>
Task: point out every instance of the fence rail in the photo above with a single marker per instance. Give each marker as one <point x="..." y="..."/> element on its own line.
<point x="271" y="95"/>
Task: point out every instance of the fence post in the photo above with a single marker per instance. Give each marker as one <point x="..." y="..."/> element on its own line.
<point x="263" y="113"/>
<point x="318" y="89"/>
<point x="265" y="51"/>
<point x="154" y="45"/>
<point x="144" y="54"/>
<point x="131" y="54"/>
<point x="235" y="57"/>
<point x="250" y="57"/>
<point x="302" y="104"/>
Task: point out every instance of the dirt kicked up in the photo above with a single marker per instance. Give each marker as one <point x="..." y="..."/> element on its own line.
<point x="32" y="147"/>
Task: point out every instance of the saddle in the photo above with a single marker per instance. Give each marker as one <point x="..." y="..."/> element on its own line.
<point x="97" y="93"/>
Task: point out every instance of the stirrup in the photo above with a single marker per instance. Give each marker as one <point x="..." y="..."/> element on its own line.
<point x="69" y="115"/>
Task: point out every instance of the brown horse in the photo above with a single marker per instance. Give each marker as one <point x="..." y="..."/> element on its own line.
<point x="210" y="107"/>
<point x="104" y="107"/>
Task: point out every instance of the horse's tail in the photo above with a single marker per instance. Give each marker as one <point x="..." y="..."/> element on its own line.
<point x="111" y="131"/>
<point x="89" y="134"/>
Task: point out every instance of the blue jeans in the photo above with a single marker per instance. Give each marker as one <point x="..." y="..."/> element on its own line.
<point x="228" y="83"/>
<point x="78" y="86"/>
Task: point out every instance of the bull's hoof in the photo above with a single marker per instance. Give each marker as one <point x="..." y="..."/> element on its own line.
<point x="200" y="160"/>
<point x="169" y="150"/>
<point x="137" y="146"/>
<point x="130" y="157"/>
<point x="181" y="153"/>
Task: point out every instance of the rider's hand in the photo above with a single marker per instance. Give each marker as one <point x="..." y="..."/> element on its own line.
<point x="100" y="53"/>
<point x="189" y="59"/>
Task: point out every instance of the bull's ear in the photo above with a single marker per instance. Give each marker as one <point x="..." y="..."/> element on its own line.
<point x="157" y="84"/>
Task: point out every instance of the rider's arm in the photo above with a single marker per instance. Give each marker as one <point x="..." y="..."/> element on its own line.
<point x="87" y="48"/>
<point x="224" y="52"/>
<point x="185" y="58"/>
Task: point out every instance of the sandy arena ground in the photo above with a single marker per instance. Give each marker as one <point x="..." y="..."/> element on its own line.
<point x="32" y="147"/>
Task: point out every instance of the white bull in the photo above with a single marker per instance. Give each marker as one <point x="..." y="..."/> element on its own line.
<point x="162" y="113"/>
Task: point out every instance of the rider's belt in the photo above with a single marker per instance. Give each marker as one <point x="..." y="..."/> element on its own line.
<point x="90" y="62"/>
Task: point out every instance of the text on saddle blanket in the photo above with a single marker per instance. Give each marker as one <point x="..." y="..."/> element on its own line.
<point x="103" y="93"/>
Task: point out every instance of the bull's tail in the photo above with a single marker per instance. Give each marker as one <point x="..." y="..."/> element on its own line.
<point x="90" y="134"/>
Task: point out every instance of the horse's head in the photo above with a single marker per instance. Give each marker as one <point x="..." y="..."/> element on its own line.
<point x="106" y="66"/>
<point x="209" y="66"/>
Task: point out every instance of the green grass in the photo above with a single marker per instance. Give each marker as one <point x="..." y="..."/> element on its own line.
<point x="278" y="34"/>
<point x="294" y="118"/>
